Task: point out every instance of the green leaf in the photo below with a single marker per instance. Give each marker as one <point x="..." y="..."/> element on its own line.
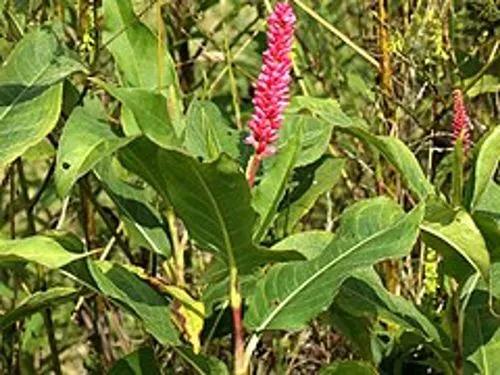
<point x="268" y="194"/>
<point x="140" y="217"/>
<point x="86" y="139"/>
<point x="291" y="294"/>
<point x="486" y="165"/>
<point x="399" y="155"/>
<point x="36" y="302"/>
<point x="481" y="336"/>
<point x="30" y="92"/>
<point x="314" y="140"/>
<point x="134" y="48"/>
<point x="202" y="364"/>
<point x="310" y="244"/>
<point x="207" y="133"/>
<point x="349" y="368"/>
<point x="150" y="112"/>
<point x="140" y="362"/>
<point x="451" y="232"/>
<point x="38" y="249"/>
<point x="312" y="182"/>
<point x="212" y="199"/>
<point x="363" y="295"/>
<point x="327" y="110"/>
<point x="119" y="284"/>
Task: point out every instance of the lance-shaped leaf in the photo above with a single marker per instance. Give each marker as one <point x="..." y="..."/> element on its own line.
<point x="153" y="309"/>
<point x="38" y="249"/>
<point x="212" y="199"/>
<point x="267" y="195"/>
<point x="453" y="233"/>
<point x="292" y="294"/>
<point x="486" y="166"/>
<point x="30" y="95"/>
<point x="202" y="364"/>
<point x="86" y="139"/>
<point x="36" y="302"/>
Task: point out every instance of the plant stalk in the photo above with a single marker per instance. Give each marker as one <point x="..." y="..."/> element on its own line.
<point x="238" y="332"/>
<point x="252" y="169"/>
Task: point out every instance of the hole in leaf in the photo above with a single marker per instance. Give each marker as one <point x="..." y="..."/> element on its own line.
<point x="66" y="165"/>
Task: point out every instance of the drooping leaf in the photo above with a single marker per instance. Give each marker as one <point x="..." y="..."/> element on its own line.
<point x="486" y="166"/>
<point x="30" y="92"/>
<point x="150" y="112"/>
<point x="313" y="181"/>
<point x="86" y="139"/>
<point x="399" y="155"/>
<point x="349" y="368"/>
<point x="138" y="214"/>
<point x="36" y="302"/>
<point x="140" y="362"/>
<point x="363" y="295"/>
<point x="38" y="249"/>
<point x="212" y="199"/>
<point x="269" y="192"/>
<point x="453" y="232"/>
<point x="207" y="132"/>
<point x="121" y="285"/>
<point x="292" y="294"/>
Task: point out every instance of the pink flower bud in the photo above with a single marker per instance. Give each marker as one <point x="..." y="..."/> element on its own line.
<point x="461" y="122"/>
<point x="272" y="92"/>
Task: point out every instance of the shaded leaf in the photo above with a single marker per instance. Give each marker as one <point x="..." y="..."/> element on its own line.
<point x="140" y="362"/>
<point x="202" y="364"/>
<point x="348" y="368"/>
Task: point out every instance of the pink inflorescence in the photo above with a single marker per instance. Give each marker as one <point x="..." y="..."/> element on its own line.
<point x="461" y="122"/>
<point x="272" y="92"/>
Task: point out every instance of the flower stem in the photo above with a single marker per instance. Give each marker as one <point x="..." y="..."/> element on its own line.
<point x="252" y="169"/>
<point x="238" y="333"/>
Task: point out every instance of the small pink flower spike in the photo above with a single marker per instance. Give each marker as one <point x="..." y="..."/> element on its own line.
<point x="461" y="122"/>
<point x="272" y="92"/>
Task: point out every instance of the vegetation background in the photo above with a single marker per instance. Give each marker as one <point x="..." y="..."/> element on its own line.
<point x="389" y="67"/>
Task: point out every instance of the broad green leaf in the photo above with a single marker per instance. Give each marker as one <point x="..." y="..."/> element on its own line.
<point x="452" y="231"/>
<point x="310" y="244"/>
<point x="363" y="295"/>
<point x="267" y="195"/>
<point x="314" y="140"/>
<point x="399" y="155"/>
<point x="142" y="220"/>
<point x="202" y="364"/>
<point x="140" y="362"/>
<point x="325" y="109"/>
<point x="212" y="199"/>
<point x="487" y="84"/>
<point x="86" y="139"/>
<point x="349" y="368"/>
<point x="36" y="302"/>
<point x="38" y="249"/>
<point x="486" y="165"/>
<point x="291" y="294"/>
<point x="135" y="48"/>
<point x="481" y="336"/>
<point x="313" y="181"/>
<point x="150" y="112"/>
<point x="207" y="132"/>
<point x="30" y="92"/>
<point x="119" y="284"/>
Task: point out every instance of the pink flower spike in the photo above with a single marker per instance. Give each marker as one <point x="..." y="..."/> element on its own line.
<point x="461" y="122"/>
<point x="272" y="88"/>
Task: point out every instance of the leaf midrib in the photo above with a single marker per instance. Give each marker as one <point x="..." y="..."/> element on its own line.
<point x="318" y="273"/>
